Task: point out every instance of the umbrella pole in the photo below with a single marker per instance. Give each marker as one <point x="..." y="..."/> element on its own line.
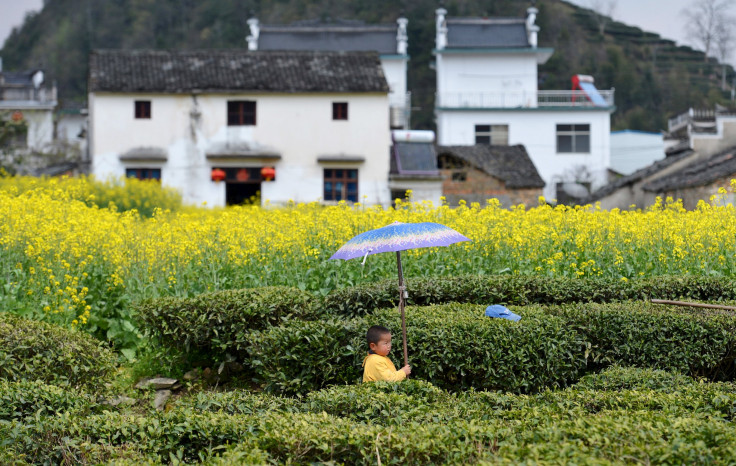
<point x="402" y="291"/>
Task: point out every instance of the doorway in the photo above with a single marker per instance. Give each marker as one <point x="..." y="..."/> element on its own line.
<point x="237" y="193"/>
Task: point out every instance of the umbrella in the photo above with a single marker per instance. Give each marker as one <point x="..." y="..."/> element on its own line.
<point x="398" y="237"/>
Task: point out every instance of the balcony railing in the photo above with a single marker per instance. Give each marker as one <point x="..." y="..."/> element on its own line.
<point x="544" y="99"/>
<point x="27" y="95"/>
<point x="400" y="110"/>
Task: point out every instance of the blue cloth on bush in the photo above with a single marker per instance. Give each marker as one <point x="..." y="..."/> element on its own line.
<point x="496" y="310"/>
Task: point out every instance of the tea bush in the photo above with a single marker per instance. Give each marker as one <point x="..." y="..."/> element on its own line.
<point x="25" y="398"/>
<point x="694" y="342"/>
<point x="218" y="323"/>
<point x="31" y="350"/>
<point x="452" y="346"/>
<point x="523" y="290"/>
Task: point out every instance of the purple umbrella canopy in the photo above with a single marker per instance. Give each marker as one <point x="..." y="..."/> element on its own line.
<point x="398" y="237"/>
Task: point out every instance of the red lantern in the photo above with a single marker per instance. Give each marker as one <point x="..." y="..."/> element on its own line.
<point x="242" y="175"/>
<point x="268" y="173"/>
<point x="218" y="174"/>
<point x="17" y="116"/>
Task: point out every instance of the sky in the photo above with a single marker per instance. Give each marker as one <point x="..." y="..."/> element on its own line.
<point x="661" y="16"/>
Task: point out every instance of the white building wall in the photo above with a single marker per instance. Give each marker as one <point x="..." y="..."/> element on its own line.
<point x="632" y="150"/>
<point x="537" y="131"/>
<point x="394" y="68"/>
<point x="40" y="128"/>
<point x="514" y="75"/>
<point x="298" y="127"/>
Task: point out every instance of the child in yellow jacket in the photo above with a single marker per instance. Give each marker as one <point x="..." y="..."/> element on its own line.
<point x="377" y="365"/>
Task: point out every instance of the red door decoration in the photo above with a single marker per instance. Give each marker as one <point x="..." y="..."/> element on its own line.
<point x="268" y="173"/>
<point x="218" y="174"/>
<point x="242" y="175"/>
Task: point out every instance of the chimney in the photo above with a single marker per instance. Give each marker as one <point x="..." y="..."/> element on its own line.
<point x="532" y="29"/>
<point x="441" y="40"/>
<point x="254" y="33"/>
<point x="402" y="38"/>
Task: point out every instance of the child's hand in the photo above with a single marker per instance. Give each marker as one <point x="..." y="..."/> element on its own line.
<point x="406" y="369"/>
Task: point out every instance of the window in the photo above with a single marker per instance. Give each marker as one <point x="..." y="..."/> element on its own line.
<point x="492" y="134"/>
<point x="573" y="139"/>
<point x="339" y="110"/>
<point x="341" y="185"/>
<point x="144" y="173"/>
<point x="143" y="109"/>
<point x="241" y="113"/>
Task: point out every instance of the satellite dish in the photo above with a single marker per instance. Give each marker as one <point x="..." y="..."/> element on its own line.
<point x="37" y="79"/>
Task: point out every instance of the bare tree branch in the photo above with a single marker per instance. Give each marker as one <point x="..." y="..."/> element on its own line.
<point x="704" y="19"/>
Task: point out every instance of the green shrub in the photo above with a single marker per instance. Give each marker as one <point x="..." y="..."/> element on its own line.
<point x="25" y="398"/>
<point x="523" y="290"/>
<point x="219" y="323"/>
<point x="634" y="378"/>
<point x="452" y="346"/>
<point x="238" y="402"/>
<point x="693" y="342"/>
<point x="31" y="350"/>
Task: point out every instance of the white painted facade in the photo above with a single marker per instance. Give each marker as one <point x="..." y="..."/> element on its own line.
<point x="632" y="150"/>
<point x="536" y="129"/>
<point x="498" y="86"/>
<point x="188" y="136"/>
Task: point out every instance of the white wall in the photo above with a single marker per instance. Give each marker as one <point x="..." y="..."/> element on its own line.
<point x="511" y="74"/>
<point x="297" y="126"/>
<point x="537" y="131"/>
<point x="632" y="150"/>
<point x="394" y="68"/>
<point x="40" y="128"/>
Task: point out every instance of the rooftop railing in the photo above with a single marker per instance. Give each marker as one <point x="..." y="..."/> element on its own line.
<point x="523" y="99"/>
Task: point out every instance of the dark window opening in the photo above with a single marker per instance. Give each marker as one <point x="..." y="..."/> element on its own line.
<point x="573" y="138"/>
<point x="340" y="184"/>
<point x="241" y="113"/>
<point x="492" y="134"/>
<point x="339" y="110"/>
<point x="143" y="109"/>
<point x="144" y="173"/>
<point x="459" y="176"/>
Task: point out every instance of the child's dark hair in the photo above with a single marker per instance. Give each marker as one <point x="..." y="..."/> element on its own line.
<point x="374" y="334"/>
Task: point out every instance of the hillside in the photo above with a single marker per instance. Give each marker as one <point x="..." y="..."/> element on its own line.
<point x="654" y="79"/>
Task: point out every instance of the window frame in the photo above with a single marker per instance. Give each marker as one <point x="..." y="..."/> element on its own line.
<point x="494" y="132"/>
<point x="142" y="109"/>
<point x="143" y="173"/>
<point x="579" y="137"/>
<point x="241" y="116"/>
<point x="345" y="178"/>
<point x="339" y="111"/>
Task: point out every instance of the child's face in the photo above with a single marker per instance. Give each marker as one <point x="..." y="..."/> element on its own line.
<point x="383" y="347"/>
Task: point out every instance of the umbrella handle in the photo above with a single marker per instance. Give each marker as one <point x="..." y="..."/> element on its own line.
<point x="402" y="291"/>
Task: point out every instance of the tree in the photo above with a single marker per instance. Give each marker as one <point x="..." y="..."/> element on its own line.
<point x="724" y="42"/>
<point x="705" y="21"/>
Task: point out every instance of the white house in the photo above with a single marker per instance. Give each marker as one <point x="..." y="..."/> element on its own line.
<point x="487" y="94"/>
<point x="190" y="118"/>
<point x="23" y="97"/>
<point x="390" y="41"/>
<point x="632" y="150"/>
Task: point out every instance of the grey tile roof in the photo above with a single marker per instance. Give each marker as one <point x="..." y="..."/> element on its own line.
<point x="699" y="173"/>
<point x="486" y="33"/>
<point x="186" y="71"/>
<point x="317" y="35"/>
<point x="638" y="175"/>
<point x="511" y="164"/>
<point x="18" y="78"/>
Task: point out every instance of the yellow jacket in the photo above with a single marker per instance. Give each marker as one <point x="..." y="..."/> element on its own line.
<point x="377" y="367"/>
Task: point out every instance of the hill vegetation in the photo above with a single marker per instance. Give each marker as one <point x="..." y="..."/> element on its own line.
<point x="654" y="79"/>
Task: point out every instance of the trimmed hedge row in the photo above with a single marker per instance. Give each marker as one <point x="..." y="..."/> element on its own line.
<point x="524" y="290"/>
<point x="453" y="346"/>
<point x="25" y="398"/>
<point x="456" y="347"/>
<point x="218" y="323"/>
<point x="409" y="422"/>
<point x="33" y="350"/>
<point x="694" y="342"/>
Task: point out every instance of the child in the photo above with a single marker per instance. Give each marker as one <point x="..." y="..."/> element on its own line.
<point x="377" y="365"/>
